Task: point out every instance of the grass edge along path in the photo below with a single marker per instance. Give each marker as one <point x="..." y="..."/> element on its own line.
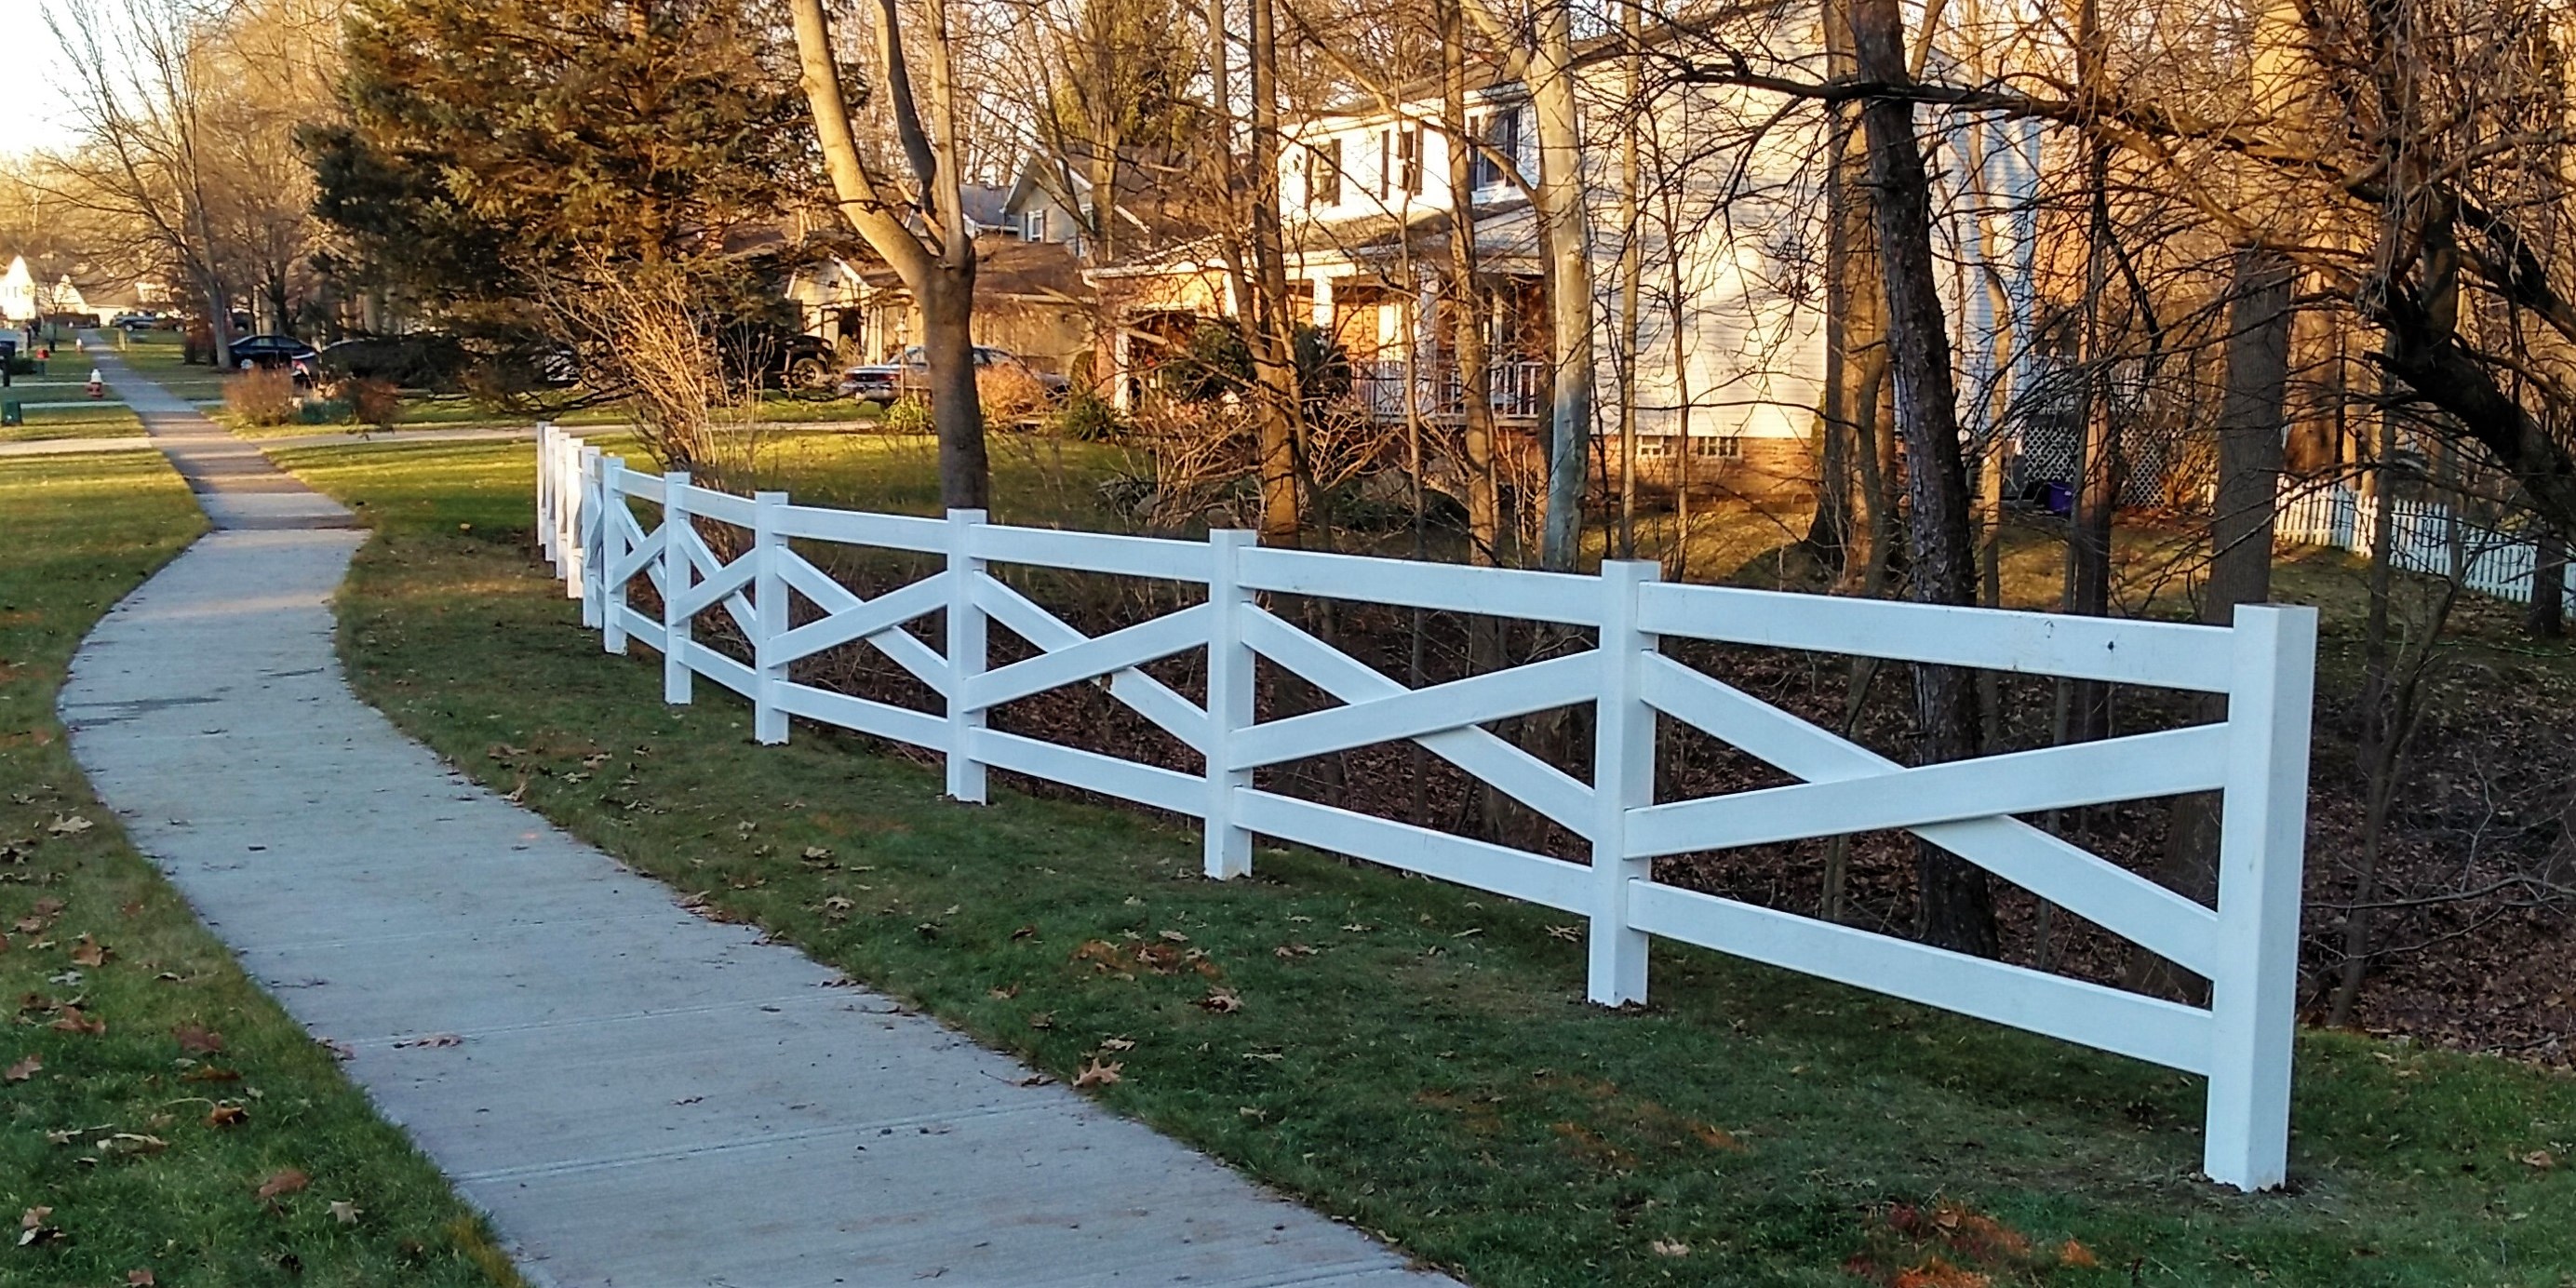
<point x="162" y="1121"/>
<point x="1415" y="1057"/>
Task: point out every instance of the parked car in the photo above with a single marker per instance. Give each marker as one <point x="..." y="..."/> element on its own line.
<point x="772" y="355"/>
<point x="265" y="351"/>
<point x="428" y="360"/>
<point x="878" y="383"/>
<point x="145" y="320"/>
<point x="990" y="361"/>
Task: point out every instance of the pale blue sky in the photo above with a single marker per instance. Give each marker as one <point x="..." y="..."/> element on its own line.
<point x="29" y="115"/>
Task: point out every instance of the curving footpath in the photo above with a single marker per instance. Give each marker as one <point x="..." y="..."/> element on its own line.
<point x="638" y="1097"/>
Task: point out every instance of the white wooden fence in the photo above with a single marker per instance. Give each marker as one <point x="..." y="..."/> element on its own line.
<point x="604" y="525"/>
<point x="2424" y="537"/>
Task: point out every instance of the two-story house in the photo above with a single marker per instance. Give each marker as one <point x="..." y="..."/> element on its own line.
<point x="1730" y="237"/>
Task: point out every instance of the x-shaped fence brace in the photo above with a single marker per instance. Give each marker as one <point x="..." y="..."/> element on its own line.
<point x="2256" y="757"/>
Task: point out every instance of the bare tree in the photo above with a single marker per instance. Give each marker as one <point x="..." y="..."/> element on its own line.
<point x="1956" y="908"/>
<point x="139" y="101"/>
<point x="918" y="226"/>
<point x="1542" y="56"/>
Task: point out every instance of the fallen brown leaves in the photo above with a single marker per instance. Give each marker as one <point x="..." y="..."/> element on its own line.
<point x="197" y="1039"/>
<point x="72" y="1021"/>
<point x="1099" y="1073"/>
<point x="87" y="951"/>
<point x="284" y="1181"/>
<point x="33" y="1228"/>
<point x="1128" y="959"/>
<point x="227" y="1114"/>
<point x="24" y="1069"/>
<point x="1951" y="1245"/>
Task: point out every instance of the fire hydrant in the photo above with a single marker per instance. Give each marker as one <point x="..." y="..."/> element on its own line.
<point x="97" y="384"/>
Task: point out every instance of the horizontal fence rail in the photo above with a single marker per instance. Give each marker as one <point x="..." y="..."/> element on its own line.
<point x="604" y="526"/>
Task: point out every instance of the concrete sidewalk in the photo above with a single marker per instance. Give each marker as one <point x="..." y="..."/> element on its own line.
<point x="639" y="1097"/>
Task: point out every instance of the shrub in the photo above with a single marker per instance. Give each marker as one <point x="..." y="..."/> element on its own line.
<point x="263" y="396"/>
<point x="322" y="411"/>
<point x="374" y="401"/>
<point x="909" y="414"/>
<point x="1217" y="362"/>
<point x="1010" y="394"/>
<point x="1089" y="418"/>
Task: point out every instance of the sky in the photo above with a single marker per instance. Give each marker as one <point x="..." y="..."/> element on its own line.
<point x="29" y="117"/>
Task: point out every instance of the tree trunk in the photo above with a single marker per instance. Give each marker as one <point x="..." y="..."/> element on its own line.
<point x="941" y="280"/>
<point x="1852" y="320"/>
<point x="1469" y="305"/>
<point x="956" y="410"/>
<point x="2097" y="462"/>
<point x="219" y="320"/>
<point x="1565" y="236"/>
<point x="2378" y="761"/>
<point x="2240" y="538"/>
<point x="1631" y="270"/>
<point x="1957" y="900"/>
<point x="2548" y="618"/>
<point x="1271" y="333"/>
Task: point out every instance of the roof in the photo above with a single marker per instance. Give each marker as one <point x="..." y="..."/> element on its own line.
<point x="1505" y="231"/>
<point x="1008" y="268"/>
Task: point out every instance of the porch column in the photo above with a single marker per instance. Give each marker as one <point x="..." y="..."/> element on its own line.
<point x="1120" y="356"/>
<point x="1323" y="303"/>
<point x="1428" y="358"/>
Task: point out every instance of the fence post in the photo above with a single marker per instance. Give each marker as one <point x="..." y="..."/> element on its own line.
<point x="585" y="527"/>
<point x="612" y="552"/>
<point x="560" y="474"/>
<point x="1623" y="778"/>
<point x="574" y="471"/>
<point x="2262" y="835"/>
<point x="769" y="608"/>
<point x="1229" y="700"/>
<point x="965" y="656"/>
<point x="678" y="571"/>
<point x="546" y="491"/>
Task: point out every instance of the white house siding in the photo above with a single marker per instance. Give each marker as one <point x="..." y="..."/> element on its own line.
<point x="1750" y="234"/>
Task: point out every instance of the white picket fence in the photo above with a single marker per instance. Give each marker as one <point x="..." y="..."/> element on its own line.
<point x="604" y="525"/>
<point x="2424" y="537"/>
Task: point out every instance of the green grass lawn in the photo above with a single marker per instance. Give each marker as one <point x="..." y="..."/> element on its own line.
<point x="84" y="420"/>
<point x="1411" y="1056"/>
<point x="150" y="1091"/>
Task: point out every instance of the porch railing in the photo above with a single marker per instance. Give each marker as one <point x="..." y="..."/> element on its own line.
<point x="1515" y="389"/>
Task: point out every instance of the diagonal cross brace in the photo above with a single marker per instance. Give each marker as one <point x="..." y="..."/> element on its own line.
<point x="1118" y="651"/>
<point x="2114" y="898"/>
<point x="1149" y="697"/>
<point x="1516" y="773"/>
<point x="835" y="599"/>
<point x="1421" y="713"/>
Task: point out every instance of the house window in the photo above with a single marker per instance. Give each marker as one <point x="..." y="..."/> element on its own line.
<point x="1403" y="170"/>
<point x="1501" y="135"/>
<point x="1723" y="447"/>
<point x="1654" y="447"/>
<point x="1324" y="174"/>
